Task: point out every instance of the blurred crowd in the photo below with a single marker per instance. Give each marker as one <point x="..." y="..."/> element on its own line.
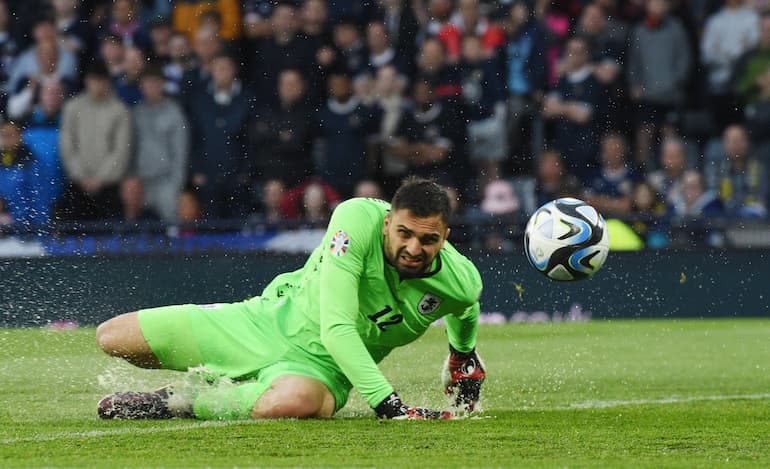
<point x="191" y="110"/>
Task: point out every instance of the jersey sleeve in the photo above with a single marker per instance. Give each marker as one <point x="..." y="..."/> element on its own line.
<point x="462" y="326"/>
<point x="350" y="228"/>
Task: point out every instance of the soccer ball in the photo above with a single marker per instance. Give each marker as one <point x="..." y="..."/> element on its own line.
<point x="566" y="239"/>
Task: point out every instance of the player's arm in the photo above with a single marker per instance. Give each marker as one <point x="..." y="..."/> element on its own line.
<point x="340" y="279"/>
<point x="464" y="372"/>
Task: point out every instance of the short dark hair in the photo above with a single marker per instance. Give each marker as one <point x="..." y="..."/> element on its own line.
<point x="423" y="197"/>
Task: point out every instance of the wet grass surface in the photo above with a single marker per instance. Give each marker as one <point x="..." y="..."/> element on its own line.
<point x="669" y="393"/>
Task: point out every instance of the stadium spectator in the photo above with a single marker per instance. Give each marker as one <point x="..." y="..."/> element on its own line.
<point x="255" y="16"/>
<point x="113" y="52"/>
<point x="8" y="50"/>
<point x="351" y="53"/>
<point x="557" y="18"/>
<point x="180" y="60"/>
<point x="499" y="198"/>
<point x="695" y="200"/>
<point x="135" y="208"/>
<point x="189" y="209"/>
<point x="483" y="105"/>
<point x="219" y="118"/>
<point x="435" y="20"/>
<point x="606" y="43"/>
<point x="433" y="66"/>
<point x="315" y="207"/>
<point x="314" y="22"/>
<point x="757" y="115"/>
<point x="658" y="66"/>
<point x="127" y="85"/>
<point x="673" y="163"/>
<point x="748" y="71"/>
<point x="187" y="14"/>
<point x="272" y="192"/>
<point x="610" y="189"/>
<point x="575" y="107"/>
<point x="727" y="35"/>
<point x="162" y="145"/>
<point x="206" y="47"/>
<point x="647" y="202"/>
<point x="45" y="60"/>
<point x="124" y="23"/>
<point x="189" y="214"/>
<point x="526" y="81"/>
<point x="292" y="200"/>
<point x="285" y="48"/>
<point x="737" y="176"/>
<point x="75" y="33"/>
<point x="95" y="148"/>
<point x="430" y="138"/>
<point x="343" y="125"/>
<point x="399" y="18"/>
<point x="381" y="51"/>
<point x="281" y="136"/>
<point x="368" y="188"/>
<point x="16" y="160"/>
<point x="41" y="135"/>
<point x="6" y="219"/>
<point x="468" y="20"/>
<point x="160" y="33"/>
<point x="553" y="179"/>
<point x="389" y="88"/>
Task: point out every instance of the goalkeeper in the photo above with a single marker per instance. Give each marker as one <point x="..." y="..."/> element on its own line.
<point x="382" y="274"/>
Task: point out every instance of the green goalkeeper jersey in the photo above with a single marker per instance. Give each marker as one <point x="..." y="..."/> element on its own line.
<point x="352" y="308"/>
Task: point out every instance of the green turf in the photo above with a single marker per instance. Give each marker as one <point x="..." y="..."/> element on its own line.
<point x="607" y="394"/>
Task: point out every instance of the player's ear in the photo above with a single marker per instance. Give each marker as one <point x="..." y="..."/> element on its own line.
<point x="386" y="223"/>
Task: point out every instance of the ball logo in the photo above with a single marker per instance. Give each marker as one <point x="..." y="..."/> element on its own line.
<point x="339" y="244"/>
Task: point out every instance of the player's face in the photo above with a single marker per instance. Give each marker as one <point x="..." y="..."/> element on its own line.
<point x="412" y="243"/>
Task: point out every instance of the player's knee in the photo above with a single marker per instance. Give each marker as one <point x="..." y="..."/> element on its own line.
<point x="300" y="403"/>
<point x="110" y="335"/>
<point x="106" y="337"/>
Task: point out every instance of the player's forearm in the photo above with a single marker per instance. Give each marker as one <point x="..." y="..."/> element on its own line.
<point x="461" y="330"/>
<point x="344" y="345"/>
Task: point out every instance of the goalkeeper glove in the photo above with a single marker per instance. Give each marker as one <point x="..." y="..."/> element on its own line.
<point x="462" y="377"/>
<point x="393" y="408"/>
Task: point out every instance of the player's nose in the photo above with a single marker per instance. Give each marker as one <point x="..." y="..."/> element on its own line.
<point x="414" y="247"/>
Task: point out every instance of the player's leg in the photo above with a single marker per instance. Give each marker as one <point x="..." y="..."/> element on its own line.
<point x="286" y="396"/>
<point x="122" y="337"/>
<point x="295" y="396"/>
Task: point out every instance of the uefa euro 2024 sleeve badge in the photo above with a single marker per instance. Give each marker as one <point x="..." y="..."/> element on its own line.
<point x="339" y="244"/>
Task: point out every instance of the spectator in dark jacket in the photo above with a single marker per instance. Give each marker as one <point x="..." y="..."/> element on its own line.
<point x="15" y="176"/>
<point x="526" y="78"/>
<point x="344" y="124"/>
<point x="575" y="108"/>
<point x="280" y="136"/>
<point x="286" y="48"/>
<point x="220" y="114"/>
<point x="658" y="65"/>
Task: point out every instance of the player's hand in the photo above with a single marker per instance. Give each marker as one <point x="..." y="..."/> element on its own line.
<point x="393" y="408"/>
<point x="462" y="376"/>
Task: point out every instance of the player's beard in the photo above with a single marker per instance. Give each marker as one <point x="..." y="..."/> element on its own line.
<point x="405" y="271"/>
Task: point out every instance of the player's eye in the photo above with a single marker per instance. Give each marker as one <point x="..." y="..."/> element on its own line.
<point x="404" y="233"/>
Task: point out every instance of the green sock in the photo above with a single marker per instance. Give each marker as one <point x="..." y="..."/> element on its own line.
<point x="230" y="403"/>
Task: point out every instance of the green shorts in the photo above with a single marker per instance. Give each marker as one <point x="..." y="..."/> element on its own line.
<point x="255" y="339"/>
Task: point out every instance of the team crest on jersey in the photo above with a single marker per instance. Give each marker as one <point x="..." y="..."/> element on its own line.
<point x="429" y="303"/>
<point x="339" y="244"/>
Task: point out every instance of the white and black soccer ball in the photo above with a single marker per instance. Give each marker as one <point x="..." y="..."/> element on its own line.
<point x="566" y="239"/>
